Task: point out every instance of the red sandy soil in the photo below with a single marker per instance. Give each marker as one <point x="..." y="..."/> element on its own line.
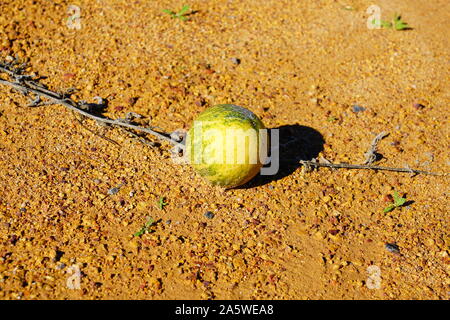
<point x="297" y="235"/>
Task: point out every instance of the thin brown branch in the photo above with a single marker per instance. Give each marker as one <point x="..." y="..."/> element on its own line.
<point x="371" y="154"/>
<point x="97" y="134"/>
<point x="25" y="86"/>
<point x="368" y="167"/>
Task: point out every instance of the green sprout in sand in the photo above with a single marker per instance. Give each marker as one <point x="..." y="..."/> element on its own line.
<point x="332" y="119"/>
<point x="397" y="23"/>
<point x="161" y="203"/>
<point x="145" y="228"/>
<point x="398" y="202"/>
<point x="180" y="15"/>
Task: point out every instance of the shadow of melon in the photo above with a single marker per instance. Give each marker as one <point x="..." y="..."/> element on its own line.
<point x="296" y="143"/>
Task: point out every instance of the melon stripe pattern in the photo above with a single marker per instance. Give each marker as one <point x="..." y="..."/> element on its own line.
<point x="223" y="145"/>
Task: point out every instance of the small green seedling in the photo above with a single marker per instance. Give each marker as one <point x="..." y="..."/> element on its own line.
<point x="145" y="228"/>
<point x="382" y="23"/>
<point x="180" y="15"/>
<point x="161" y="204"/>
<point x="332" y="119"/>
<point x="397" y="23"/>
<point x="398" y="202"/>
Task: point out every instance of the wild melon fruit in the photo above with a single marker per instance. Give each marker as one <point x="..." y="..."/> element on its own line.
<point x="225" y="145"/>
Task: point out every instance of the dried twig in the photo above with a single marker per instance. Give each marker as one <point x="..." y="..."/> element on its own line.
<point x="372" y="155"/>
<point x="308" y="164"/>
<point x="96" y="133"/>
<point x="139" y="138"/>
<point x="27" y="86"/>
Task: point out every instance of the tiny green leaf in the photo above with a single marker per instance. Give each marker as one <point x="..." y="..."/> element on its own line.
<point x="149" y="222"/>
<point x="382" y="23"/>
<point x="332" y="119"/>
<point x="183" y="10"/>
<point x="399" y="24"/>
<point x="398" y="201"/>
<point x="161" y="203"/>
<point x="145" y="228"/>
<point x="386" y="24"/>
<point x="169" y="12"/>
<point x="180" y="15"/>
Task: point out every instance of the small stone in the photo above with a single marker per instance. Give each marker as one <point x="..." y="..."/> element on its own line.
<point x="334" y="232"/>
<point x="68" y="76"/>
<point x="418" y="106"/>
<point x="132" y="101"/>
<point x="392" y="247"/>
<point x="113" y="191"/>
<point x="13" y="239"/>
<point x="236" y="61"/>
<point x="356" y="108"/>
<point x="209" y="215"/>
<point x="200" y="102"/>
<point x="60" y="266"/>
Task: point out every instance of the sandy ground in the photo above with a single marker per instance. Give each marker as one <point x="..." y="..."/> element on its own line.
<point x="297" y="235"/>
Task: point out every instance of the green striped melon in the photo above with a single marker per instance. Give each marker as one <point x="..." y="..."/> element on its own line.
<point x="223" y="145"/>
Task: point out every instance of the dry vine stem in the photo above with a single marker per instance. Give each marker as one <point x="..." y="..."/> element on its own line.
<point x="367" y="167"/>
<point x="25" y="84"/>
<point x="371" y="154"/>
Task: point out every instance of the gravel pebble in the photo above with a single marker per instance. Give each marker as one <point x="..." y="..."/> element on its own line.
<point x="113" y="191"/>
<point x="236" y="61"/>
<point x="209" y="215"/>
<point x="392" y="247"/>
<point x="356" y="108"/>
